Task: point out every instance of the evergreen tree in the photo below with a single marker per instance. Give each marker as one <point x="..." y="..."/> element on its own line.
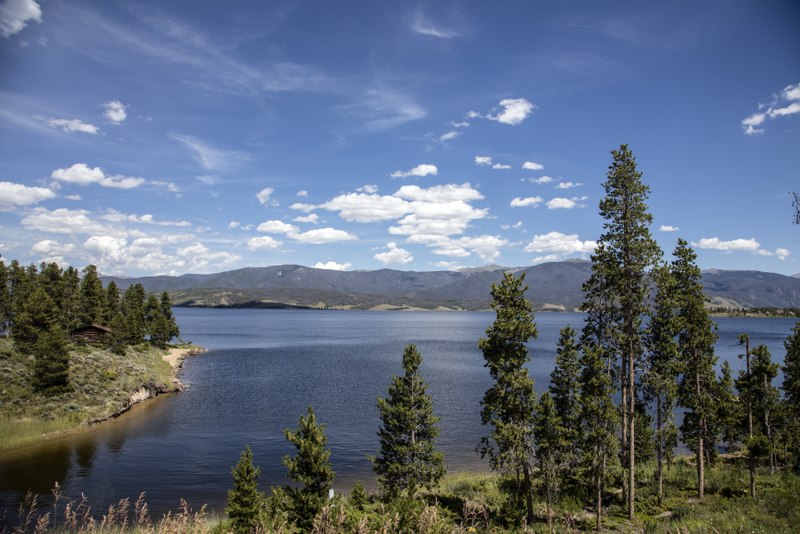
<point x="619" y="268"/>
<point x="38" y="332"/>
<point x="660" y="381"/>
<point x="243" y="499"/>
<point x="599" y="421"/>
<point x="113" y="306"/>
<point x="509" y="404"/>
<point x="311" y="467"/>
<point x="744" y="377"/>
<point x="92" y="297"/>
<point x="564" y="384"/>
<point x="166" y="310"/>
<point x="728" y="411"/>
<point x="696" y="338"/>
<point x="551" y="438"/>
<point x="20" y="284"/>
<point x="50" y="279"/>
<point x="118" y="339"/>
<point x="71" y="302"/>
<point x="791" y="390"/>
<point x="133" y="308"/>
<point x="408" y="458"/>
<point x="765" y="395"/>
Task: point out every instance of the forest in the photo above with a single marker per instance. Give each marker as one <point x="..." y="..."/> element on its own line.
<point x="595" y="451"/>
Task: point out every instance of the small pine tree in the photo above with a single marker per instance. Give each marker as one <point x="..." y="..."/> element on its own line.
<point x="408" y="457"/>
<point x="509" y="405"/>
<point x="564" y="384"/>
<point x="765" y="395"/>
<point x="728" y="412"/>
<point x="358" y="496"/>
<point x="311" y="467"/>
<point x="243" y="499"/>
<point x="551" y="442"/>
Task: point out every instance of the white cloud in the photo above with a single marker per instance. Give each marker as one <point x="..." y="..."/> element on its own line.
<point x="302" y="193"/>
<point x="211" y="158"/>
<point x="515" y="110"/>
<point x="734" y="245"/>
<point x="264" y="242"/>
<point x="66" y="221"/>
<point x="305" y="208"/>
<point x="312" y="218"/>
<point x="564" y="203"/>
<point x="394" y="254"/>
<point x="15" y="15"/>
<point x="439" y="193"/>
<point x="423" y="27"/>
<point x="545" y="259"/>
<point x="568" y="185"/>
<point x="449" y="136"/>
<point x="776" y="108"/>
<point x="264" y="194"/>
<point x="517" y="225"/>
<point x="332" y="266"/>
<point x="361" y="207"/>
<point x="49" y="247"/>
<point x="277" y="227"/>
<point x="449" y="265"/>
<point x="13" y="194"/>
<point x="73" y="197"/>
<point x="115" y="111"/>
<point x="73" y="125"/>
<point x="518" y="202"/>
<point x="82" y="174"/>
<point x="461" y="124"/>
<point x="559" y="245"/>
<point x="208" y="180"/>
<point x="323" y="235"/>
<point x="501" y="166"/>
<point x="117" y="216"/>
<point x="541" y="180"/>
<point x="423" y="169"/>
<point x="382" y="109"/>
<point x="782" y="253"/>
<point x="369" y="188"/>
<point x="532" y="166"/>
<point x="483" y="160"/>
<point x="668" y="228"/>
<point x="234" y="224"/>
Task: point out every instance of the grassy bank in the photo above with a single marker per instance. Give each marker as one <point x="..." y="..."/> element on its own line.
<point x="101" y="385"/>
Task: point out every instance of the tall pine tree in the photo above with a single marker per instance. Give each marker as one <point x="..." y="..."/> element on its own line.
<point x="509" y="404"/>
<point x="551" y="442"/>
<point x="310" y="467"/>
<point x="564" y="391"/>
<point x="696" y="338"/>
<point x="408" y="457"/>
<point x="765" y="396"/>
<point x="791" y="390"/>
<point x="92" y="297"/>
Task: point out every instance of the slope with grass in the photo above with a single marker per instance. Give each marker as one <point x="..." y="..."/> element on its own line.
<point x="102" y="385"/>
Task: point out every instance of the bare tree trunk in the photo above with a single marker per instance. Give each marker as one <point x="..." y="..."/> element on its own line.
<point x="631" y="436"/>
<point x="700" y="436"/>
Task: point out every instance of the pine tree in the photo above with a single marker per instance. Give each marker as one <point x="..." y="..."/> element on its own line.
<point x="408" y="458"/>
<point x="791" y="390"/>
<point x="696" y="338"/>
<point x="564" y="384"/>
<point x="599" y="422"/>
<point x="133" y="308"/>
<point x="243" y="499"/>
<point x="166" y="309"/>
<point x="765" y="395"/>
<point x="112" y="302"/>
<point x="38" y="332"/>
<point x="20" y="283"/>
<point x="71" y="303"/>
<point x="5" y="301"/>
<point x="509" y="404"/>
<point x="728" y="411"/>
<point x="551" y="438"/>
<point x="619" y="269"/>
<point x="660" y="381"/>
<point x="744" y="377"/>
<point x="311" y="467"/>
<point x="93" y="298"/>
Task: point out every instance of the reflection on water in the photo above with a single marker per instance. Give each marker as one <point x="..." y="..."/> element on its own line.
<point x="262" y="369"/>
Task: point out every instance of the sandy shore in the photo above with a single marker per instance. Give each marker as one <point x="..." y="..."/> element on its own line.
<point x="175" y="357"/>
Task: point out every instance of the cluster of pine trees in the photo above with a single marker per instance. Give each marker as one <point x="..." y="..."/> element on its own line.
<point x="40" y="309"/>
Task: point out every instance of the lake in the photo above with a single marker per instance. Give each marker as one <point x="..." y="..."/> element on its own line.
<point x="262" y="368"/>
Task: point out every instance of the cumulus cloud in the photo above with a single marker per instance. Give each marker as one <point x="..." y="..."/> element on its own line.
<point x="264" y="242"/>
<point x="568" y="185"/>
<point x="115" y="111"/>
<point x="277" y="227"/>
<point x="515" y="110"/>
<point x="394" y="255"/>
<point x="518" y="202"/>
<point x="73" y="125"/>
<point x="66" y="221"/>
<point x="310" y="218"/>
<point x="82" y="174"/>
<point x="362" y="207"/>
<point x="558" y="245"/>
<point x="541" y="180"/>
<point x="305" y="208"/>
<point x="51" y="248"/>
<point x="13" y="194"/>
<point x="423" y="169"/>
<point x="15" y="15"/>
<point x="532" y="166"/>
<point x="783" y="103"/>
<point x="668" y="228"/>
<point x="565" y="203"/>
<point x="117" y="216"/>
<point x="321" y="236"/>
<point x="501" y="166"/>
<point x="369" y="188"/>
<point x="483" y="160"/>
<point x="734" y="245"/>
<point x="332" y="266"/>
<point x="440" y="193"/>
<point x="264" y="195"/>
<point x="782" y="253"/>
<point x="302" y="193"/>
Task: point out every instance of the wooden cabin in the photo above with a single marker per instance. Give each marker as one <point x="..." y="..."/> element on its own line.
<point x="92" y="334"/>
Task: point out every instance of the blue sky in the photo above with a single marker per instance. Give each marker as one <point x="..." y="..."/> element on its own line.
<point x="175" y="137"/>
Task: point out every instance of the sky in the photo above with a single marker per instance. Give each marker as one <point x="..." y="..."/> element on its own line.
<point x="194" y="136"/>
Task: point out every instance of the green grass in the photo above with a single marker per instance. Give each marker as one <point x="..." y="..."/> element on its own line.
<point x="101" y="384"/>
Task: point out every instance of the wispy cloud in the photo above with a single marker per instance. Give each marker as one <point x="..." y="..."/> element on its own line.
<point x="73" y="125"/>
<point x="783" y="103"/>
<point x="381" y="108"/>
<point x="423" y="169"/>
<point x="15" y="15"/>
<point x="423" y="26"/>
<point x="210" y="157"/>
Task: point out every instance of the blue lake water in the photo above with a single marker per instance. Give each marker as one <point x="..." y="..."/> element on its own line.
<point x="262" y="368"/>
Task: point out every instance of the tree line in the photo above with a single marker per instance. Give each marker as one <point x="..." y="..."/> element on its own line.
<point x="645" y="350"/>
<point x="42" y="307"/>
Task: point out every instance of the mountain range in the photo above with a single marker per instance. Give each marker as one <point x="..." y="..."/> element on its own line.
<point x="552" y="286"/>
